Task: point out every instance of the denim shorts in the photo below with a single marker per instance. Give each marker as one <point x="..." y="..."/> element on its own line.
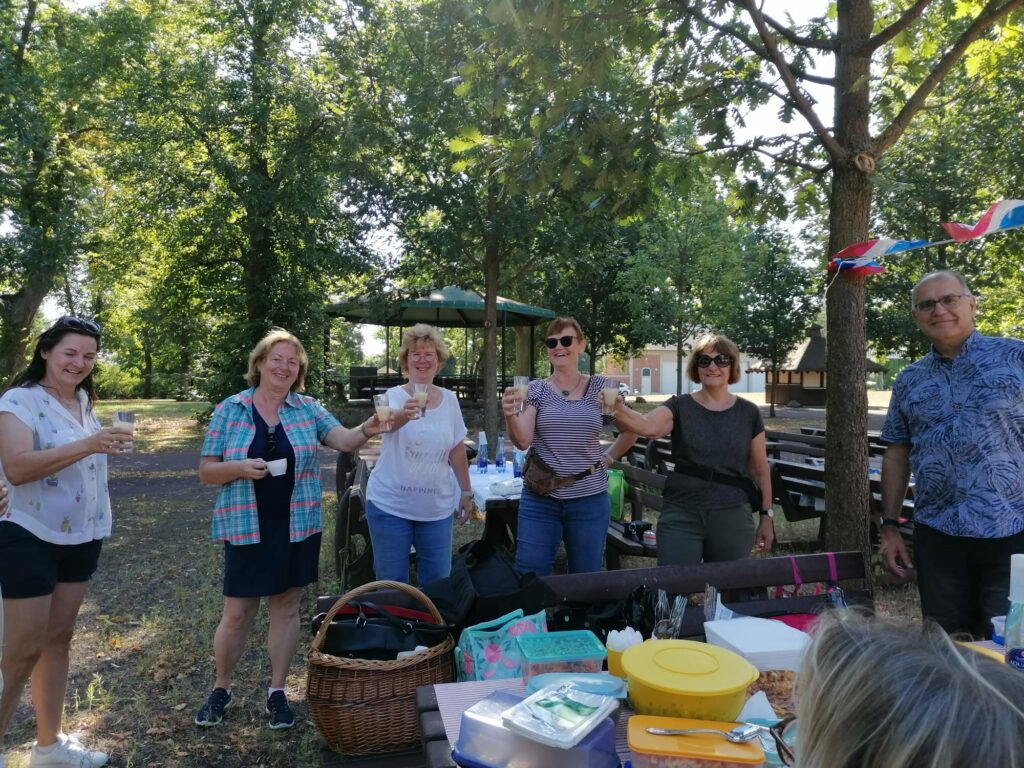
<point x="31" y="567"/>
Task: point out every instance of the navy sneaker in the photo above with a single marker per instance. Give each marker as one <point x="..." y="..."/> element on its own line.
<point x="281" y="715"/>
<point x="212" y="712"/>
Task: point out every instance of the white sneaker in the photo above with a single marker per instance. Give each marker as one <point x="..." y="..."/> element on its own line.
<point x="67" y="753"/>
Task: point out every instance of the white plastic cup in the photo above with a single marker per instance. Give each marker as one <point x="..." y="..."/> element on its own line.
<point x="277" y="467"/>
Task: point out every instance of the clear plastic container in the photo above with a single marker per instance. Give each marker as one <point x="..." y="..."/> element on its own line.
<point x="697" y="750"/>
<point x="576" y="650"/>
<point x="559" y="715"/>
<point x="484" y="742"/>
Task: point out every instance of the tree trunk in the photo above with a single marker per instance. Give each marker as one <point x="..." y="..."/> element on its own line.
<point x="846" y="471"/>
<point x="492" y="266"/>
<point x="19" y="310"/>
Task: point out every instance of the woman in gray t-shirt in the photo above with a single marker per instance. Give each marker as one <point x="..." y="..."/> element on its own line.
<point x="704" y="520"/>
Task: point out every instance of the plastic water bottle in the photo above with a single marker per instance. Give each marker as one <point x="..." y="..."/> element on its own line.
<point x="499" y="457"/>
<point x="481" y="452"/>
<point x="1015" y="618"/>
<point x="517" y="463"/>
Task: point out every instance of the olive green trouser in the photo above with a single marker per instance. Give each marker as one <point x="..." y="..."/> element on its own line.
<point x="688" y="536"/>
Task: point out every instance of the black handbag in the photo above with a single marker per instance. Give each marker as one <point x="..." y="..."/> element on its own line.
<point x="376" y="633"/>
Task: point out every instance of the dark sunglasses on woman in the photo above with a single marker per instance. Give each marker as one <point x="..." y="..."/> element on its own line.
<point x="565" y="341"/>
<point x="69" y="322"/>
<point x="722" y="361"/>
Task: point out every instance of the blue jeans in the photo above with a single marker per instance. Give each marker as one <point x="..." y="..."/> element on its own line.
<point x="545" y="521"/>
<point x="391" y="538"/>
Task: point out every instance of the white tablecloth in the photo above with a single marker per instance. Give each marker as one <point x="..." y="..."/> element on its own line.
<point x="492" y="484"/>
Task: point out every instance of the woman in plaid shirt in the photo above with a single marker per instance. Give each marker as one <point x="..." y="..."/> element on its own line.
<point x="268" y="515"/>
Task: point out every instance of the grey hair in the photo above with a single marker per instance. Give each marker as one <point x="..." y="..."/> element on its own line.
<point x="875" y="694"/>
<point x="936" y="274"/>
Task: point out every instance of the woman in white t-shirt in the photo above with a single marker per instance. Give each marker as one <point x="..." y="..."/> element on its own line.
<point x="421" y="480"/>
<point x="54" y="456"/>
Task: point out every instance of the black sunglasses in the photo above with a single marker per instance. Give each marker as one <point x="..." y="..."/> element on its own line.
<point x="565" y="341"/>
<point x="778" y="731"/>
<point x="722" y="361"/>
<point x="272" y="439"/>
<point x="70" y="322"/>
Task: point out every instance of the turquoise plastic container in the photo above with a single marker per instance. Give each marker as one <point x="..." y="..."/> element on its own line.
<point x="576" y="650"/>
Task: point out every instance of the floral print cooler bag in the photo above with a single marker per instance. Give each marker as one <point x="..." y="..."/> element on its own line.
<point x="489" y="651"/>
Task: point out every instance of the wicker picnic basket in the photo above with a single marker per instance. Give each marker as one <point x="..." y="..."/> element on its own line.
<point x="362" y="706"/>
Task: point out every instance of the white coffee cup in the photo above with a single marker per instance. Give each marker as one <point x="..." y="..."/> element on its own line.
<point x="277" y="467"/>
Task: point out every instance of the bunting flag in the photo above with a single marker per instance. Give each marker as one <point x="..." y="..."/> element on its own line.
<point x="862" y="258"/>
<point x="1001" y="216"/>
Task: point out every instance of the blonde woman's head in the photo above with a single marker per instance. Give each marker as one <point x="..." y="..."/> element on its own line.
<point x="874" y="693"/>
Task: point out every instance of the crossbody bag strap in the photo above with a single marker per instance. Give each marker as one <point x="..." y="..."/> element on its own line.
<point x="745" y="484"/>
<point x="588" y="471"/>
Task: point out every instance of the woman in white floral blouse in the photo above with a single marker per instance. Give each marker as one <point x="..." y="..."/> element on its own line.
<point x="54" y="456"/>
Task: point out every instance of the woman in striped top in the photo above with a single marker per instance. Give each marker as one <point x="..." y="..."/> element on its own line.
<point x="561" y="420"/>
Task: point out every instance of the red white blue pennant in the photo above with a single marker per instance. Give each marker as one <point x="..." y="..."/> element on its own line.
<point x="862" y="258"/>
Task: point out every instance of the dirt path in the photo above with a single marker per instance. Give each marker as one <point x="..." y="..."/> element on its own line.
<point x="172" y="474"/>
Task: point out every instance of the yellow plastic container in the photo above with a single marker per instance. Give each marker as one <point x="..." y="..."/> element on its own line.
<point x="695" y="750"/>
<point x="682" y="678"/>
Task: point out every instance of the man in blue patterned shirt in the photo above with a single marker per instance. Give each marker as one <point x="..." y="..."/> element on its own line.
<point x="956" y="419"/>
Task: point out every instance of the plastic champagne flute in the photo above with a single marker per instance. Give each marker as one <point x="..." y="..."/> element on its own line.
<point x="420" y="392"/>
<point x="522" y="384"/>
<point x="125" y="420"/>
<point x="383" y="408"/>
<point x="608" y="397"/>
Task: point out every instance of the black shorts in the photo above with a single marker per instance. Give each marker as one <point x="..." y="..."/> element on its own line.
<point x="31" y="567"/>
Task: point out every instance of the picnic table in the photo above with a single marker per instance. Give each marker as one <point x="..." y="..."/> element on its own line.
<point x="494" y="494"/>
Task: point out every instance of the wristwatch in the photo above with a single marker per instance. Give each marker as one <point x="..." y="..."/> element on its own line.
<point x="769" y="512"/>
<point x="888" y="521"/>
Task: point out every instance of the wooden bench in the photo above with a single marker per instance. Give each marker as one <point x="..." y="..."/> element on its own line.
<point x="799" y="490"/>
<point x="643" y="493"/>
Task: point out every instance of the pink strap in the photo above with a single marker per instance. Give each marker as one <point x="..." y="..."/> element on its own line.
<point x="797" y="580"/>
<point x="832" y="571"/>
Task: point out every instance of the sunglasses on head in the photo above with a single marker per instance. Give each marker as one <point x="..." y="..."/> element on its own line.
<point x="272" y="439"/>
<point x="69" y="322"/>
<point x="565" y="341"/>
<point x="722" y="361"/>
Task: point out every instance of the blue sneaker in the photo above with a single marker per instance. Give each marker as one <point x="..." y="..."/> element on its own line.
<point x="212" y="712"/>
<point x="281" y="715"/>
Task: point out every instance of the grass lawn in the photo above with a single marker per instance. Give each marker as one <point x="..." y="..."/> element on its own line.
<point x="142" y="660"/>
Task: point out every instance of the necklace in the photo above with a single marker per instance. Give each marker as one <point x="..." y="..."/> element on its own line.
<point x="567" y="392"/>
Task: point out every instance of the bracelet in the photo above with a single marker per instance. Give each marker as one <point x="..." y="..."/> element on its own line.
<point x="362" y="428"/>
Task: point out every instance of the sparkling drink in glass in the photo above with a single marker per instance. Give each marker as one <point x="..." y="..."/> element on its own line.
<point x="608" y="397"/>
<point x="522" y="384"/>
<point x="383" y="408"/>
<point x="420" y="392"/>
<point x="125" y="420"/>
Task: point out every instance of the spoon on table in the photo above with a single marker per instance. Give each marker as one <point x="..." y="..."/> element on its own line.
<point x="737" y="735"/>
